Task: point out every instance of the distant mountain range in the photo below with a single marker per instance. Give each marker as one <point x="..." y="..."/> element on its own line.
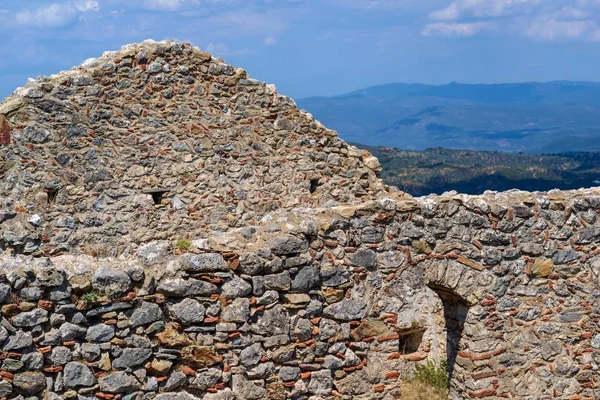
<point x="531" y="117"/>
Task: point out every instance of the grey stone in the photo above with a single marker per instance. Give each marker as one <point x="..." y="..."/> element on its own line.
<point x="145" y="313"/>
<point x="251" y="355"/>
<point x="78" y="375"/>
<point x="336" y="276"/>
<point x="274" y="321"/>
<point x="596" y="342"/>
<point x="100" y="333"/>
<point x="365" y="258"/>
<point x="258" y="285"/>
<point x="328" y="329"/>
<point x="111" y="281"/>
<point x="5" y="292"/>
<point x="30" y="382"/>
<point x="188" y="311"/>
<point x="30" y="293"/>
<point x="279" y="281"/>
<point x="321" y="382"/>
<point x="186" y="288"/>
<point x="564" y="256"/>
<point x="176" y="380"/>
<point x="346" y="310"/>
<point x="71" y="331"/>
<point x="300" y="329"/>
<point x="18" y="341"/>
<point x="3" y="334"/>
<point x="153" y="253"/>
<point x="5" y="389"/>
<point x="286" y="244"/>
<point x="306" y="279"/>
<point x="207" y="262"/>
<point x="30" y="319"/>
<point x="269" y="297"/>
<point x="131" y="358"/>
<point x="288" y="374"/>
<point x="261" y="371"/>
<point x="236" y="288"/>
<point x="332" y="362"/>
<point x="154" y="67"/>
<point x="237" y="311"/>
<point x="60" y="355"/>
<point x="247" y="390"/>
<point x="37" y="134"/>
<point x="118" y="382"/>
<point x="49" y="277"/>
<point x="33" y="361"/>
<point x="90" y="351"/>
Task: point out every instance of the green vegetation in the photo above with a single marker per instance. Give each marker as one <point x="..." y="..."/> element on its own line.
<point x="183" y="244"/>
<point x="92" y="297"/>
<point x="439" y="170"/>
<point x="432" y="374"/>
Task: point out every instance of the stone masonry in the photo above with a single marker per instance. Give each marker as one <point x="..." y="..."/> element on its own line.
<point x="302" y="276"/>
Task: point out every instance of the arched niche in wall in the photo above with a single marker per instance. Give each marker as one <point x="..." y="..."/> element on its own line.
<point x="459" y="283"/>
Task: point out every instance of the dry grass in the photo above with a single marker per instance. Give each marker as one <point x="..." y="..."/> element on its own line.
<point x="420" y="391"/>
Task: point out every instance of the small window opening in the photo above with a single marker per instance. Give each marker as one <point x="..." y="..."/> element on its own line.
<point x="52" y="193"/>
<point x="157" y="195"/>
<point x="314" y="184"/>
<point x="410" y="341"/>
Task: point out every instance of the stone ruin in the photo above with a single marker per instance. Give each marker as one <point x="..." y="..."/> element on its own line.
<point x="173" y="229"/>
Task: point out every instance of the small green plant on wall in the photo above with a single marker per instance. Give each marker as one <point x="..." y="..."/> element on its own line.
<point x="432" y="374"/>
<point x="183" y="245"/>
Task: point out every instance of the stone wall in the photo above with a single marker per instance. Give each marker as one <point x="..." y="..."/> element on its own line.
<point x="157" y="139"/>
<point x="173" y="229"/>
<point x="323" y="304"/>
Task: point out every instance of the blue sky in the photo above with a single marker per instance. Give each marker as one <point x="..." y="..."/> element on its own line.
<point x="318" y="47"/>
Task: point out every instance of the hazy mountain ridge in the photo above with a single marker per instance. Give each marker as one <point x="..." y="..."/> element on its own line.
<point x="531" y="117"/>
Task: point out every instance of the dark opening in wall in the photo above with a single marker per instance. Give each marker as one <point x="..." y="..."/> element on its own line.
<point x="157" y="195"/>
<point x="455" y="314"/>
<point x="314" y="184"/>
<point x="410" y="340"/>
<point x="52" y="193"/>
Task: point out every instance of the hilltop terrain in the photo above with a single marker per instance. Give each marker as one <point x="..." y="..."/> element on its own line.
<point x="530" y="117"/>
<point x="439" y="170"/>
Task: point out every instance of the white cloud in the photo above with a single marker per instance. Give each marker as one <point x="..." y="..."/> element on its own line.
<point x="554" y="29"/>
<point x="453" y="29"/>
<point x="87" y="5"/>
<point x="270" y="41"/>
<point x="164" y="4"/>
<point x="539" y="19"/>
<point x="449" y="13"/>
<point x="175" y="5"/>
<point x="481" y="9"/>
<point x="51" y="15"/>
<point x="55" y="14"/>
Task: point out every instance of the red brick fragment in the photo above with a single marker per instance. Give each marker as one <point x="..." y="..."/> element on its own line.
<point x="392" y="375"/>
<point x="483" y="393"/>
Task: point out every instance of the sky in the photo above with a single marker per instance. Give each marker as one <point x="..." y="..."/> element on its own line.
<point x="318" y="47"/>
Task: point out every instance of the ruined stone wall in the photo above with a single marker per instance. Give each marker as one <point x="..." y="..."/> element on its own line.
<point x="302" y="277"/>
<point x="157" y="139"/>
<point x="322" y="304"/>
